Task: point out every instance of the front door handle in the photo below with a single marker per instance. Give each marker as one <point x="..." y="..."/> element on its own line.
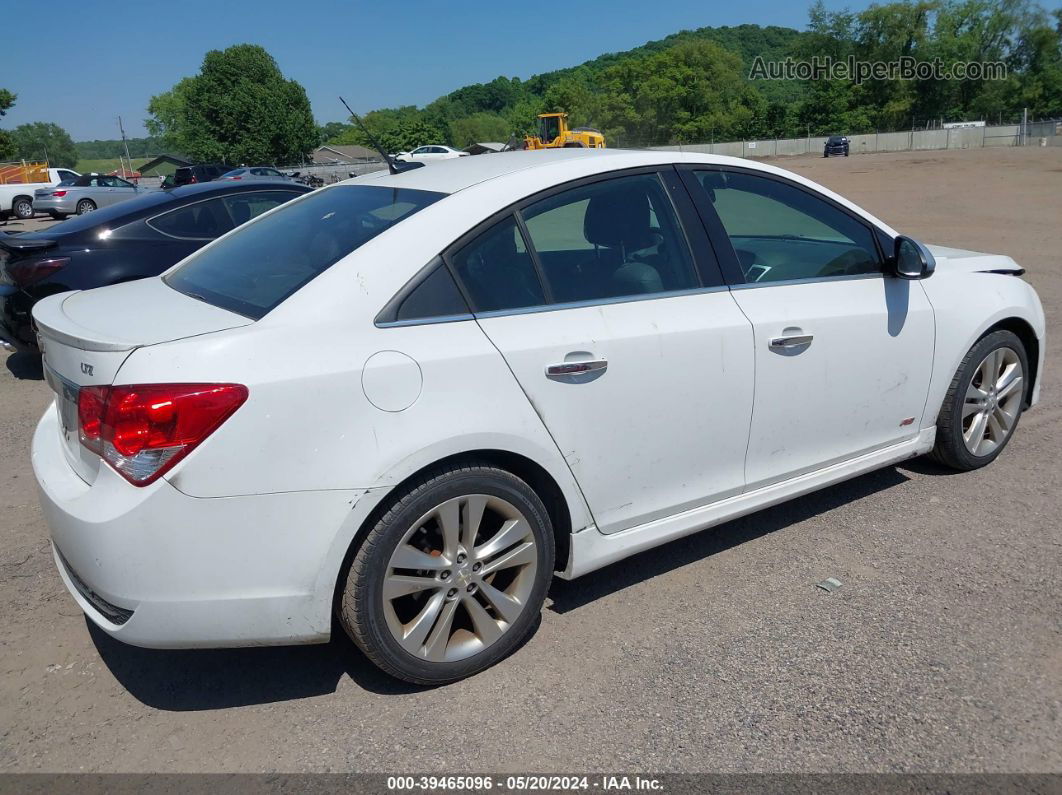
<point x="577" y="368"/>
<point x="790" y="342"/>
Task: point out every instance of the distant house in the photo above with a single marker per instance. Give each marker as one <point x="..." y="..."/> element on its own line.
<point x="164" y="164"/>
<point x="343" y="155"/>
<point x="484" y="148"/>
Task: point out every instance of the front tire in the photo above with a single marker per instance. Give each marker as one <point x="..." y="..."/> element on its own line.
<point x="85" y="206"/>
<point x="984" y="403"/>
<point x="452" y="577"/>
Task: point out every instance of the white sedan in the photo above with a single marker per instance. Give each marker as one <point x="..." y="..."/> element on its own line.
<point x="430" y="154"/>
<point x="411" y="400"/>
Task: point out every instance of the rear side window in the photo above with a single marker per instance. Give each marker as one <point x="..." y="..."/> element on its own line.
<point x="259" y="265"/>
<point x="435" y="296"/>
<point x="498" y="271"/>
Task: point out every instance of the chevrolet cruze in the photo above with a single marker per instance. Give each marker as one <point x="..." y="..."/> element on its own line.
<point x="401" y="405"/>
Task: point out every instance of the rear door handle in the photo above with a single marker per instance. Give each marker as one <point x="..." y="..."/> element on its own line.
<point x="794" y="341"/>
<point x="577" y="368"/>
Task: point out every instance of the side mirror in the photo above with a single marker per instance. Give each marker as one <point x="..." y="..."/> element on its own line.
<point x="912" y="260"/>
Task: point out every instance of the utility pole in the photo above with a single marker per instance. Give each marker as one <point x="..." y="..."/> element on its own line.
<point x="125" y="143"/>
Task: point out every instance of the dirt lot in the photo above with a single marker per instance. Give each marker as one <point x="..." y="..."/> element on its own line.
<point x="941" y="652"/>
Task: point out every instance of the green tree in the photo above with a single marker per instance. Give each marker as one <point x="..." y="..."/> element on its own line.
<point x="694" y="91"/>
<point x="479" y="127"/>
<point x="396" y="130"/>
<point x="45" y="141"/>
<point x="327" y="133"/>
<point x="167" y="122"/>
<point x="238" y="109"/>
<point x="7" y="144"/>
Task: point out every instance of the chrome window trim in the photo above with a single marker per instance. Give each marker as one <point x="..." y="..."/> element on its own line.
<point x="527" y="310"/>
<point x="810" y="280"/>
<point x="623" y="299"/>
<point x="427" y="321"/>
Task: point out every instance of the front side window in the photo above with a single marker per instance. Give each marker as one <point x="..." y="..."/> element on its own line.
<point x="259" y="265"/>
<point x="781" y="232"/>
<point x="610" y="239"/>
<point x="497" y="270"/>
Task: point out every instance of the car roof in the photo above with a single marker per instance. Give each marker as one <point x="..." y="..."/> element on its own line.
<point x="451" y="176"/>
<point x="198" y="188"/>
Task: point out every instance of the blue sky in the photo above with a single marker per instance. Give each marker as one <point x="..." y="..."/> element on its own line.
<point x="108" y="57"/>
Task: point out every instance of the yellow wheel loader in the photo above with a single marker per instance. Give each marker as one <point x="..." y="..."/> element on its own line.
<point x="554" y="133"/>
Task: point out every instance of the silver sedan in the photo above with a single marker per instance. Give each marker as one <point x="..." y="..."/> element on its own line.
<point x="253" y="173"/>
<point x="84" y="194"/>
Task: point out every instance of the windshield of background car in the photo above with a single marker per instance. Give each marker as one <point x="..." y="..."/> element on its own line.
<point x="255" y="268"/>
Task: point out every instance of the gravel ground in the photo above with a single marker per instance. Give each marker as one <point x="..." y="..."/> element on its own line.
<point x="941" y="652"/>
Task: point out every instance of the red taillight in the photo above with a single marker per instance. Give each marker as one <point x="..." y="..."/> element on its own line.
<point x="144" y="430"/>
<point x="193" y="180"/>
<point x="30" y="271"/>
<point x="59" y="193"/>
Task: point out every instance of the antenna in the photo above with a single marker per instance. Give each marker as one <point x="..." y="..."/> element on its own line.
<point x="392" y="166"/>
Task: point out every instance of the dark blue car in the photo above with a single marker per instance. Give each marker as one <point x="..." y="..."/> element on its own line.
<point x="137" y="238"/>
<point x="836" y="145"/>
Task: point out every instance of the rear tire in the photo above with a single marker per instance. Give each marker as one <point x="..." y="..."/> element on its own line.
<point x="85" y="206"/>
<point x="452" y="577"/>
<point x="22" y="207"/>
<point x="984" y="403"/>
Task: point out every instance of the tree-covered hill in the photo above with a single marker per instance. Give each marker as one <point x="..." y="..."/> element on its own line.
<point x="695" y="85"/>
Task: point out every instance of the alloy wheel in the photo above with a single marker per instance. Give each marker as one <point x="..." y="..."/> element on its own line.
<point x="993" y="401"/>
<point x="460" y="577"/>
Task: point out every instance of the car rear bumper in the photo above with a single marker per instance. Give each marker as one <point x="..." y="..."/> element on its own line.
<point x="15" y="327"/>
<point x="154" y="567"/>
<point x="54" y="204"/>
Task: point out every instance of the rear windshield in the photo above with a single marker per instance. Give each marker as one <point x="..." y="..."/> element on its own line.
<point x="254" y="268"/>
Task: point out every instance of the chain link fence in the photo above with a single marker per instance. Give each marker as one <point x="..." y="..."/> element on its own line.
<point x="1040" y="133"/>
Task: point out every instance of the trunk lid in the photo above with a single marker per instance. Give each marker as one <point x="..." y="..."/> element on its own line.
<point x="85" y="337"/>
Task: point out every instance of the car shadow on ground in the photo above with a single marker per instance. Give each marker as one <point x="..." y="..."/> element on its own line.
<point x="25" y="366"/>
<point x="568" y="595"/>
<point x="183" y="680"/>
<point x="206" y="679"/>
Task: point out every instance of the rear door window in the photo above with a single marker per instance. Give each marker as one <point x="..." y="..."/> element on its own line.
<point x="243" y="207"/>
<point x="611" y="239"/>
<point x="498" y="271"/>
<point x="259" y="265"/>
<point x="200" y="221"/>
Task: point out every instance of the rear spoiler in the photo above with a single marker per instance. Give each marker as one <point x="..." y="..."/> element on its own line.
<point x="20" y="245"/>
